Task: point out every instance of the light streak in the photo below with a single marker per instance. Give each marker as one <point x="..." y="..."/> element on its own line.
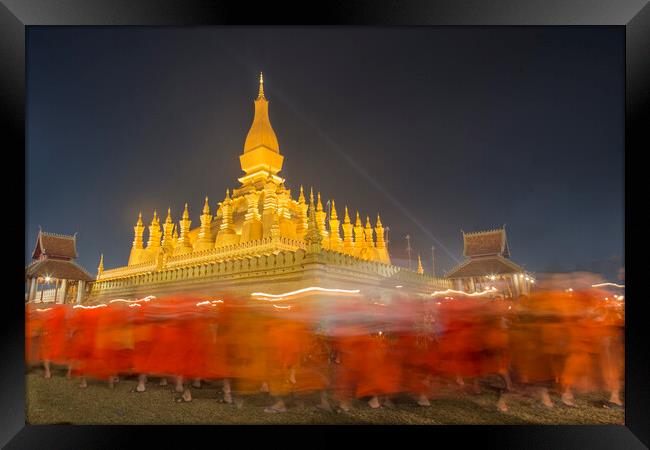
<point x="474" y="294"/>
<point x="399" y="287"/>
<point x="300" y="291"/>
<point x="608" y="284"/>
<point x="282" y="307"/>
<point x="134" y="304"/>
<point x="101" y="305"/>
<point x="43" y="310"/>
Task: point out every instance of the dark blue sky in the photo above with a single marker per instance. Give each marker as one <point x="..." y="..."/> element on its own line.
<point x="438" y="129"/>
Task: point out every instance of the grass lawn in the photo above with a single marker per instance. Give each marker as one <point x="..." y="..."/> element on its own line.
<point x="59" y="400"/>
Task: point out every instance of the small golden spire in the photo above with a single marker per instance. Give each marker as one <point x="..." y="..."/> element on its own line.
<point x="100" y="269"/>
<point x="347" y="216"/>
<point x="333" y="215"/>
<point x="368" y="222"/>
<point x="186" y="213"/>
<point x="311" y="195"/>
<point x="169" y="215"/>
<point x="358" y="223"/>
<point x="420" y="269"/>
<point x="319" y="206"/>
<point x="206" y="206"/>
<point x="155" y="217"/>
<point x="139" y="223"/>
<point x="378" y="225"/>
<point x="261" y="92"/>
<point x="301" y="197"/>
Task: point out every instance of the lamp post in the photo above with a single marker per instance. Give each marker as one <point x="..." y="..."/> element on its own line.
<point x="433" y="261"/>
<point x="408" y="249"/>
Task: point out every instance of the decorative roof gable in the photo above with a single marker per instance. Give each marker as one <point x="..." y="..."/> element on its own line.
<point x="56" y="246"/>
<point x="485" y="243"/>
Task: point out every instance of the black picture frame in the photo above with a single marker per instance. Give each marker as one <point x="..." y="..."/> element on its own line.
<point x="633" y="15"/>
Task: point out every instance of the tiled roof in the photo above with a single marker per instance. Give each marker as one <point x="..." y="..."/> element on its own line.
<point x="55" y="245"/>
<point x="482" y="243"/>
<point x="54" y="268"/>
<point x="486" y="265"/>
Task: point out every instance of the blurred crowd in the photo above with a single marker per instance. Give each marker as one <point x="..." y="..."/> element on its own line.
<point x="343" y="347"/>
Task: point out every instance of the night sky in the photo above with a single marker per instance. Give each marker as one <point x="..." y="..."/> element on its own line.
<point x="438" y="129"/>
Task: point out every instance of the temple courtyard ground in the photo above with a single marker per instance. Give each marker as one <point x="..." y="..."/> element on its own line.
<point x="59" y="400"/>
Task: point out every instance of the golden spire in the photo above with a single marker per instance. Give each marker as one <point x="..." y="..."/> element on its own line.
<point x="100" y="269"/>
<point x="333" y="215"/>
<point x="186" y="213"/>
<point x="319" y="206"/>
<point x="311" y="196"/>
<point x="228" y="193"/>
<point x="378" y="221"/>
<point x="168" y="228"/>
<point x="358" y="223"/>
<point x="420" y="269"/>
<point x="139" y="230"/>
<point x="260" y="95"/>
<point x="301" y="197"/>
<point x="154" y="232"/>
<point x="261" y="133"/>
<point x="346" y="219"/>
<point x="368" y="222"/>
<point x="206" y="206"/>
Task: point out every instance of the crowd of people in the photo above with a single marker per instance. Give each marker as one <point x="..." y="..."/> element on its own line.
<point x="343" y="347"/>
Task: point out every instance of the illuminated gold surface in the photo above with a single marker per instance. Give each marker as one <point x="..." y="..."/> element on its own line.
<point x="258" y="219"/>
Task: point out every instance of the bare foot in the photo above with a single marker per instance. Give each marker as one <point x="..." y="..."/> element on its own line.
<point x="546" y="399"/>
<point x="227" y="397"/>
<point x="501" y="404"/>
<point x="567" y="398"/>
<point x="187" y="395"/>
<point x="83" y="384"/>
<point x="345" y="406"/>
<point x="423" y="400"/>
<point x="374" y="403"/>
<point x="264" y="387"/>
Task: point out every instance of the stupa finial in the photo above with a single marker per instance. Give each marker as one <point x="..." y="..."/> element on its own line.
<point x="261" y="92"/>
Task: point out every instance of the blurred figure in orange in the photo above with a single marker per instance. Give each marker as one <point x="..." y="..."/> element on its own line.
<point x="54" y="336"/>
<point x="83" y="327"/>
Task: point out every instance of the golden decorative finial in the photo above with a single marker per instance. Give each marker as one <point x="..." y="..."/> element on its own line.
<point x="261" y="92"/>
<point x="186" y="213"/>
<point x="347" y="216"/>
<point x="420" y="269"/>
<point x="169" y="215"/>
<point x="155" y="217"/>
<point x="311" y="195"/>
<point x="100" y="269"/>
<point x="358" y="224"/>
<point x="301" y="197"/>
<point x="367" y="221"/>
<point x="206" y="206"/>
<point x="139" y="223"/>
<point x="378" y="225"/>
<point x="333" y="215"/>
<point x="319" y="206"/>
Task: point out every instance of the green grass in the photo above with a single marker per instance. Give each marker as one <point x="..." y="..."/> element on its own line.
<point x="59" y="400"/>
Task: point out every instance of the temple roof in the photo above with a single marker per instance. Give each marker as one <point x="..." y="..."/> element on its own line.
<point x="55" y="246"/>
<point x="484" y="265"/>
<point x="483" y="243"/>
<point x="55" y="268"/>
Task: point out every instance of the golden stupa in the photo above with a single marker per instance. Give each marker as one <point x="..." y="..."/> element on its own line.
<point x="260" y="236"/>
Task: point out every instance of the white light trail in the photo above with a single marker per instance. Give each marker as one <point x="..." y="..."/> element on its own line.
<point x="608" y="284"/>
<point x="300" y="291"/>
